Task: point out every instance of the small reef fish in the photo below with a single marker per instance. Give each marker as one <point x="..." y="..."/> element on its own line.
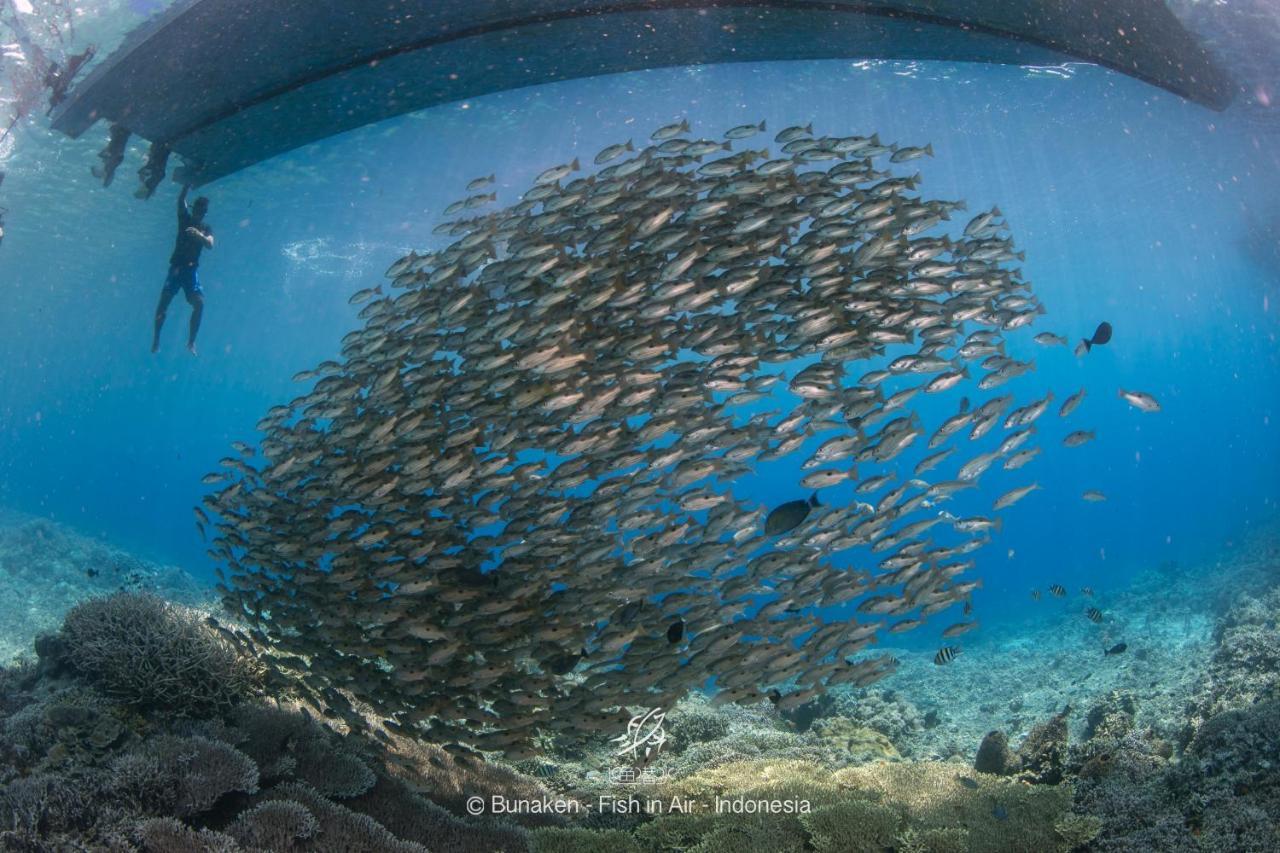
<point x="742" y="131"/>
<point x="670" y="130"/>
<point x="364" y="295"/>
<point x="632" y="325"/>
<point x="1140" y="400"/>
<point x="1079" y="437"/>
<point x="1094" y="614"/>
<point x="1117" y="649"/>
<point x="1069" y="405"/>
<point x="1094" y="496"/>
<point x="1035" y="595"/>
<point x="1058" y="590"/>
<point x="1012" y="496"/>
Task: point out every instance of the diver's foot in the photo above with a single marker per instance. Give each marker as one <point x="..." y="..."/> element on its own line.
<point x="191" y="348"/>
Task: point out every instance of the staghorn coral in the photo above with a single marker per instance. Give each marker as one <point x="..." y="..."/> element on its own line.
<point x="753" y="834"/>
<point x="333" y="772"/>
<point x="339" y="828"/>
<point x="675" y="831"/>
<point x="856" y="826"/>
<point x="276" y="825"/>
<point x="46" y="803"/>
<point x="168" y="835"/>
<point x="413" y="818"/>
<point x="933" y="797"/>
<point x="692" y="721"/>
<point x="954" y="840"/>
<point x="155" y="655"/>
<point x="190" y="773"/>
<point x="555" y="840"/>
<point x="920" y="806"/>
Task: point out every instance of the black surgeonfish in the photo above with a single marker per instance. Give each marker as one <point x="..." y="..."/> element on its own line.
<point x="1100" y="336"/>
<point x="789" y="516"/>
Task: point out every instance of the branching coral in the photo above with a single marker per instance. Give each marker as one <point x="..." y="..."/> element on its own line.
<point x="855" y="826"/>
<point x="155" y="655"/>
<point x="168" y="835"/>
<point x="276" y="825"/>
<point x="338" y="828"/>
<point x="190" y="774"/>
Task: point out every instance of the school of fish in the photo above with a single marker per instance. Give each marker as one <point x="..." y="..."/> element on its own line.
<point x="509" y="510"/>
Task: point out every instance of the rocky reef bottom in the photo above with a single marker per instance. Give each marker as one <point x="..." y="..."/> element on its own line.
<point x="143" y="724"/>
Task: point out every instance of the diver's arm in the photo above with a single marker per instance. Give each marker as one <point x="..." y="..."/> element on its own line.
<point x="206" y="237"/>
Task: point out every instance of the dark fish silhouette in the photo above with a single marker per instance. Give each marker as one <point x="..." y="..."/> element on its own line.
<point x="1100" y="336"/>
<point x="676" y="631"/>
<point x="628" y="612"/>
<point x="564" y="663"/>
<point x="789" y="516"/>
<point x="1118" y="648"/>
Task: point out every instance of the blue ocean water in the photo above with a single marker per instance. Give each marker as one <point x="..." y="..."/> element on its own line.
<point x="1132" y="206"/>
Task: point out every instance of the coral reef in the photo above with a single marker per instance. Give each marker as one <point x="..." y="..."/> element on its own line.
<point x="85" y="765"/>
<point x="1044" y="751"/>
<point x="844" y="741"/>
<point x="994" y="756"/>
<point x="1223" y="793"/>
<point x="150" y="653"/>
<point x="50" y="568"/>
<point x="91" y="763"/>
<point x="1245" y="665"/>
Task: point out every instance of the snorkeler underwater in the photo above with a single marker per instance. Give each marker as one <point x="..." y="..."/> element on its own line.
<point x="641" y="428"/>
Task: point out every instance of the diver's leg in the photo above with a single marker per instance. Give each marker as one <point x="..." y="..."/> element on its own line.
<point x="166" y="296"/>
<point x="196" y="300"/>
